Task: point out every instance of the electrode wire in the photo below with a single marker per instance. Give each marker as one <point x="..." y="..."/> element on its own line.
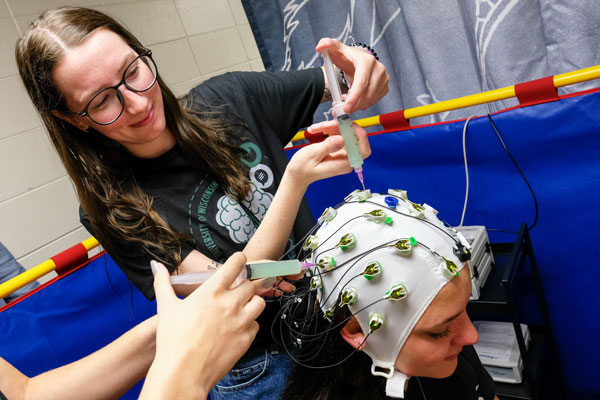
<point x="464" y="147"/>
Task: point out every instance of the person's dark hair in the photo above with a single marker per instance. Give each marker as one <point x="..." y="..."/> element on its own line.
<point x="350" y="380"/>
<point x="119" y="210"/>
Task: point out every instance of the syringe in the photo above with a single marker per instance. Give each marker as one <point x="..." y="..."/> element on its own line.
<point x="344" y="121"/>
<point x="256" y="270"/>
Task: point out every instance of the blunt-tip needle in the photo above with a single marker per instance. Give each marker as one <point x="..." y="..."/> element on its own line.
<point x="306" y="264"/>
<point x="360" y="177"/>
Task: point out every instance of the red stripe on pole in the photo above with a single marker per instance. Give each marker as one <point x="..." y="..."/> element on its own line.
<point x="536" y="92"/>
<point x="70" y="258"/>
<point x="314" y="137"/>
<point x="394" y="120"/>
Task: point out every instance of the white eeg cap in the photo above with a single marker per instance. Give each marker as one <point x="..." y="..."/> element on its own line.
<point x="420" y="265"/>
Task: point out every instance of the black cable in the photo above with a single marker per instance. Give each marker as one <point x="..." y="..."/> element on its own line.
<point x="310" y="232"/>
<point x="529" y="228"/>
<point x="301" y="242"/>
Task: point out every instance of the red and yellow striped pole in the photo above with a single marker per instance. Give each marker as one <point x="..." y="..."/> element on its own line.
<point x="42" y="269"/>
<point x="569" y="78"/>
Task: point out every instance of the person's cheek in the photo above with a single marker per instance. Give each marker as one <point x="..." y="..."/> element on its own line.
<point x="419" y="356"/>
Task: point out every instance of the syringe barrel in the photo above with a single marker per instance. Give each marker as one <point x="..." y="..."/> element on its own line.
<point x="334" y="86"/>
<point x="350" y="141"/>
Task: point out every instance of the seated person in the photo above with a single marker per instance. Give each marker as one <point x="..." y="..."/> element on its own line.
<point x="391" y="319"/>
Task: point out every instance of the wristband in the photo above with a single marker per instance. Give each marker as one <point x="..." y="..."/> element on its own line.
<point x="367" y="48"/>
<point x="340" y="76"/>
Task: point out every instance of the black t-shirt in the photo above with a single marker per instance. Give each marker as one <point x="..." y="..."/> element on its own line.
<point x="470" y="381"/>
<point x="273" y="107"/>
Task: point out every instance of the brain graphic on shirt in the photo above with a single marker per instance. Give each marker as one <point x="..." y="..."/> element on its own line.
<point x="236" y="220"/>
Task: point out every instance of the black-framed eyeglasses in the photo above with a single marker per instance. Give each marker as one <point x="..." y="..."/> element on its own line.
<point x="108" y="104"/>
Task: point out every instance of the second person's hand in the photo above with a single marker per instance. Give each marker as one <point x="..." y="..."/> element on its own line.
<point x="328" y="158"/>
<point x="368" y="77"/>
<point x="201" y="337"/>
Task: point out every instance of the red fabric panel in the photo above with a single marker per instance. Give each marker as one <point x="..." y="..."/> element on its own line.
<point x="536" y="92"/>
<point x="70" y="258"/>
<point x="394" y="120"/>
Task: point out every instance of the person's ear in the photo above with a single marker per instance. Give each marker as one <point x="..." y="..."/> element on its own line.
<point x="353" y="334"/>
<point x="76" y="121"/>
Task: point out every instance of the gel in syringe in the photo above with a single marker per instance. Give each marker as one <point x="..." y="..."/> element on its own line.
<point x="344" y="121"/>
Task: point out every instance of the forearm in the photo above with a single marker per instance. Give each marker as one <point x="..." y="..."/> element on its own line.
<point x="12" y="382"/>
<point x="168" y="379"/>
<point x="271" y="237"/>
<point x="193" y="262"/>
<point x="311" y="163"/>
<point x="106" y="374"/>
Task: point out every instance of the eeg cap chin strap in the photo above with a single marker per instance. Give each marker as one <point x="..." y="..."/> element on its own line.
<point x="391" y="259"/>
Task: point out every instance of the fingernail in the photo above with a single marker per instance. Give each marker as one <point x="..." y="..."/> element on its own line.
<point x="153" y="267"/>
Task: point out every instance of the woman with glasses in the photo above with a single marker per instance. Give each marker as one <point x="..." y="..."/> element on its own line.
<point x="187" y="185"/>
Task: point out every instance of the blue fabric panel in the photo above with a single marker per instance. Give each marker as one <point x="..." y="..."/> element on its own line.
<point x="557" y="147"/>
<point x="72" y="318"/>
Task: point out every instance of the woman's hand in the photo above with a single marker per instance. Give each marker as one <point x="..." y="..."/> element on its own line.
<point x="325" y="159"/>
<point x="368" y="77"/>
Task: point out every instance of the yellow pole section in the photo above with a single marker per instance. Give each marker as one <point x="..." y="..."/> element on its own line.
<point x="90" y="243"/>
<point x="569" y="78"/>
<point x="369" y="121"/>
<point x="26" y="277"/>
<point x="461" y="102"/>
<point x="581" y="75"/>
<point x="298" y="136"/>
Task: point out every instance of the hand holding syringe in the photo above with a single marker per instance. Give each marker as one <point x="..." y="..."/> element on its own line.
<point x="344" y="121"/>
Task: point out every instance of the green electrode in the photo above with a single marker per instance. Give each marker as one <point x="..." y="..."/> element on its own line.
<point x="344" y="121"/>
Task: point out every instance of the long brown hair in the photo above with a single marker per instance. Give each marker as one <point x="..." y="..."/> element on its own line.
<point x="119" y="210"/>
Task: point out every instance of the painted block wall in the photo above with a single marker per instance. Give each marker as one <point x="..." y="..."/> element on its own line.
<point x="191" y="40"/>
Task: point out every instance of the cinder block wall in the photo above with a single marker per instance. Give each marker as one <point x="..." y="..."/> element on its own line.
<point x="191" y="40"/>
